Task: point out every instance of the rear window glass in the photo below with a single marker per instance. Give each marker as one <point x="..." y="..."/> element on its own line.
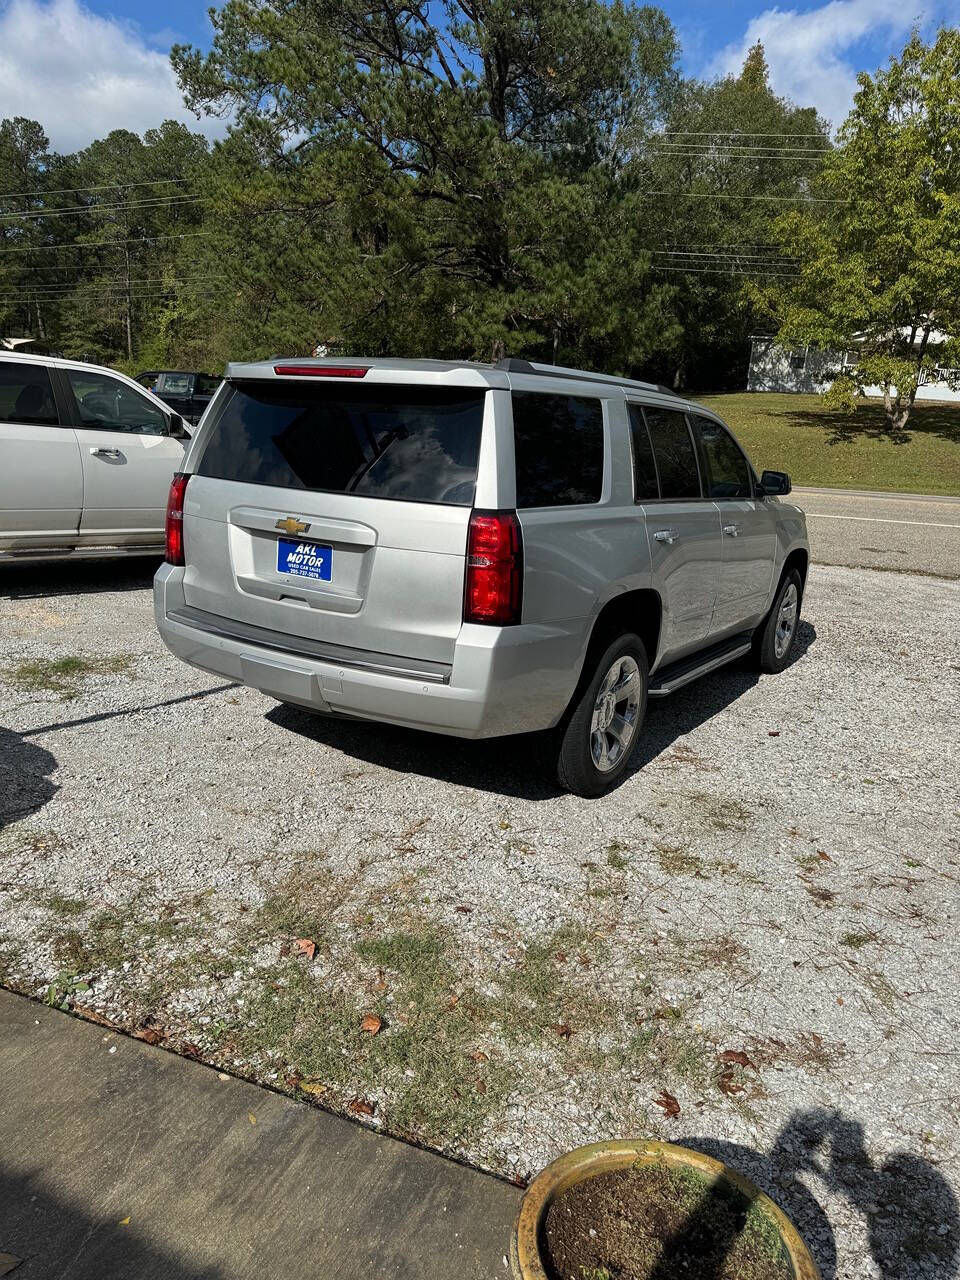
<point x="645" y="484"/>
<point x="558" y="441"/>
<point x="26" y="394"/>
<point x="417" y="444"/>
<point x="176" y="384"/>
<point x="673" y="447"/>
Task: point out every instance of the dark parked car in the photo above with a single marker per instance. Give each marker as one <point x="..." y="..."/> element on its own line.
<point x="188" y="393"/>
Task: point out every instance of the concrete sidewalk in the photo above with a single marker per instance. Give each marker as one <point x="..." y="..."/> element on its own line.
<point x="118" y="1159"/>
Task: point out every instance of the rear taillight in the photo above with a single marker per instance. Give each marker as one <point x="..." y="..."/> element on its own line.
<point x="178" y="487"/>
<point x="494" y="583"/>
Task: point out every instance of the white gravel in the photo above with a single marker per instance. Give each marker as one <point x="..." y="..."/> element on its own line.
<point x="781" y="878"/>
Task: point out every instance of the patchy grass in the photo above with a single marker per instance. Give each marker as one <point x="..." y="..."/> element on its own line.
<point x="64" y="676"/>
<point x="678" y="860"/>
<point x="125" y="932"/>
<point x="857" y="940"/>
<point x="817" y="446"/>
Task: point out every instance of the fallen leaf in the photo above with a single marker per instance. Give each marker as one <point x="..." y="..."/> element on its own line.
<point x="251" y="1117"/>
<point x="381" y="982"/>
<point x="728" y="1084"/>
<point x="370" y="1023"/>
<point x="823" y="855"/>
<point x="479" y="1056"/>
<point x="480" y="1086"/>
<point x="124" y="1222"/>
<point x="222" y="1075"/>
<point x="149" y="1035"/>
<point x="561" y="957"/>
<point x="737" y="1056"/>
<point x="563" y="1030"/>
<point x="305" y="947"/>
<point x="284" y="950"/>
<point x="190" y="1050"/>
<point x="773" y="733"/>
<point x="817" y="1039"/>
<point x="361" y="1107"/>
<point x="668" y="1102"/>
<point x="452" y="1002"/>
<point x="464" y="911"/>
<point x="8" y="1262"/>
<point x="840" y="1000"/>
<point x="91" y="1015"/>
<point x="292" y="1081"/>
<point x="312" y="1087"/>
<point x="584" y="960"/>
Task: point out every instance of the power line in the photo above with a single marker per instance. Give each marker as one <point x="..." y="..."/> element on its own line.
<point x="162" y="203"/>
<point x="118" y="297"/>
<point x="725" y="257"/>
<point x="66" y="191"/>
<point x="733" y="133"/>
<point x="719" y="154"/>
<point x="100" y="244"/>
<point x="112" y="286"/>
<point x="725" y="271"/>
<point x="727" y="195"/>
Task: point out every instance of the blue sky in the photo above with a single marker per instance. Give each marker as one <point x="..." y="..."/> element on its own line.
<point x="82" y="67"/>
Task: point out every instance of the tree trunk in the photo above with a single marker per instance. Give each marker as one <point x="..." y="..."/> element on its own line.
<point x="40" y="330"/>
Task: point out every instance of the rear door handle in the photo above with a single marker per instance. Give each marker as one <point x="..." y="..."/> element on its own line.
<point x="732" y="530"/>
<point x="106" y="453"/>
<point x="666" y="535"/>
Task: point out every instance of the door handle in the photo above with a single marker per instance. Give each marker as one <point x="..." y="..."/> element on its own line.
<point x="106" y="453"/>
<point x="666" y="535"/>
<point x="732" y="530"/>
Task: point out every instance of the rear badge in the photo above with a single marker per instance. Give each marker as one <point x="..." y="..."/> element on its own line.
<point x="291" y="525"/>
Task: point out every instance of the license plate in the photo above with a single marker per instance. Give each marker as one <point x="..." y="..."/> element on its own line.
<point x="305" y="559"/>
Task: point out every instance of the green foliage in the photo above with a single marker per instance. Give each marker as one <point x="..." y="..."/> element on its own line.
<point x="878" y="261"/>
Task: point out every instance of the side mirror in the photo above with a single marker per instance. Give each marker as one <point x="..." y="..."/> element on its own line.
<point x="177" y="428"/>
<point x="775" y="483"/>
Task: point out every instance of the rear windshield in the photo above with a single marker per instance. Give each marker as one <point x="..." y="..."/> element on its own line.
<point x="417" y="444"/>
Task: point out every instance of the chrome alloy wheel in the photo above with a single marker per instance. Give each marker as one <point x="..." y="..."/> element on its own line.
<point x="786" y="621"/>
<point x="613" y="724"/>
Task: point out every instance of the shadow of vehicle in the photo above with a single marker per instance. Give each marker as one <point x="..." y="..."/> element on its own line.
<point x="77" y="577"/>
<point x="25" y="782"/>
<point x="520" y="765"/>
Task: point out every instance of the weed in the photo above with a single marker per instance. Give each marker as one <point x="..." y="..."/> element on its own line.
<point x="616" y="857"/>
<point x="857" y="940"/>
<point x="65" y="676"/>
<point x="678" y="860"/>
<point x="62" y="989"/>
<point x="62" y="904"/>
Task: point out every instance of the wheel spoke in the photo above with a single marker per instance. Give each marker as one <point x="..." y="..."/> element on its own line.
<point x="626" y="685"/>
<point x="621" y="729"/>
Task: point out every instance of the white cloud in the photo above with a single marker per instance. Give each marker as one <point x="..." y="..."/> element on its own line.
<point x="81" y="75"/>
<point x="806" y="50"/>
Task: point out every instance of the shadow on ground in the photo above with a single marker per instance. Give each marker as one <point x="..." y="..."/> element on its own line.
<point x="521" y="765"/>
<point x="910" y="1211"/>
<point x="57" y="578"/>
<point x="869" y="422"/>
<point x="63" y="1239"/>
<point x="25" y="777"/>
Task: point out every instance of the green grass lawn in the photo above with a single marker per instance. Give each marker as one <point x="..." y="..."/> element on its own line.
<point x="817" y="446"/>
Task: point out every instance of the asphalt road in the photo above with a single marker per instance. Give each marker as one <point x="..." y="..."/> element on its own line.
<point x="906" y="532"/>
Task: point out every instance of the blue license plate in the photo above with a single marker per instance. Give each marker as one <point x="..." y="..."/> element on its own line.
<point x="305" y="559"/>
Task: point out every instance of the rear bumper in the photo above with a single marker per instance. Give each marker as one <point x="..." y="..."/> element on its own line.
<point x="502" y="680"/>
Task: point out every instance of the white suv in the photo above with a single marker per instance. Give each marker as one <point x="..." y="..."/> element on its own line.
<point x="87" y="458"/>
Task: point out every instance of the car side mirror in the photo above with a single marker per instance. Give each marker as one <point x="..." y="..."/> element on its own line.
<point x="775" y="483"/>
<point x="177" y="427"/>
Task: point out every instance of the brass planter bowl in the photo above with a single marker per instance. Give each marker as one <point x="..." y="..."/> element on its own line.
<point x="606" y="1157"/>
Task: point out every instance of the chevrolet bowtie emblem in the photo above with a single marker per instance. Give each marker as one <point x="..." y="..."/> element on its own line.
<point x="291" y="525"/>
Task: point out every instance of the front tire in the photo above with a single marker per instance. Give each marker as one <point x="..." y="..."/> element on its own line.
<point x="603" y="727"/>
<point x="774" y="639"/>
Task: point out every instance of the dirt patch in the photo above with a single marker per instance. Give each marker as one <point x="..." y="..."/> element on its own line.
<point x="652" y="1222"/>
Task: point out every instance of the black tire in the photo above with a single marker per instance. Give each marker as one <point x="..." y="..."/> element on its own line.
<point x="577" y="767"/>
<point x="772" y="648"/>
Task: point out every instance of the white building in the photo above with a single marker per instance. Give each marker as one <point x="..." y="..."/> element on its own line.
<point x="776" y="368"/>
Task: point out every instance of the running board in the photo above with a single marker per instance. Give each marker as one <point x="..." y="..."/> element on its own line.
<point x="677" y="674"/>
<point x="26" y="555"/>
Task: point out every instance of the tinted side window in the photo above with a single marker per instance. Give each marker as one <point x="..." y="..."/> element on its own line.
<point x="644" y="470"/>
<point x="206" y="385"/>
<point x="418" y="444"/>
<point x="673" y="448"/>
<point x="176" y="384"/>
<point x="728" y="475"/>
<point x="26" y="394"/>
<point x="559" y="449"/>
<point x="110" y="405"/>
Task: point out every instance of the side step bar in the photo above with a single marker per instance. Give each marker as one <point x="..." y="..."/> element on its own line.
<point x="28" y="555"/>
<point x="676" y="674"/>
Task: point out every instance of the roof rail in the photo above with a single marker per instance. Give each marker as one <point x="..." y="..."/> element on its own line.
<point x="514" y="365"/>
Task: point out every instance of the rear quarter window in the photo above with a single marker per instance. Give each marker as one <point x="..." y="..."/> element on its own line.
<point x="415" y="444"/>
<point x="558" y="442"/>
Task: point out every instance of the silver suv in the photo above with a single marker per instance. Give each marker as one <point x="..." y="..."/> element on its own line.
<point x="475" y="549"/>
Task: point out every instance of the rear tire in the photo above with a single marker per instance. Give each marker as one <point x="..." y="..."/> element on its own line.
<point x="603" y="726"/>
<point x="774" y="639"/>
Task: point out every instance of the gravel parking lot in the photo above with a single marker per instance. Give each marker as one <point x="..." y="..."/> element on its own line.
<point x="751" y="946"/>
